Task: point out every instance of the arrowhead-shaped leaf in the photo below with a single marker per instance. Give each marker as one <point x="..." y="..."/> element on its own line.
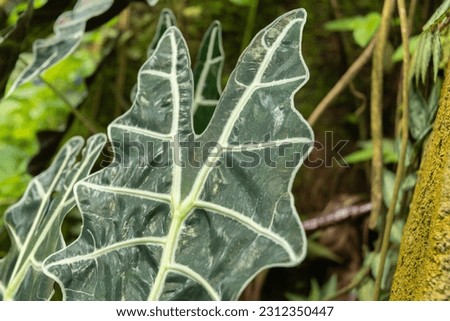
<point x="159" y="225"/>
<point x="34" y="223"/>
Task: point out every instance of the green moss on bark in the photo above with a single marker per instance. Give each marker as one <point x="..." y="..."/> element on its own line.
<point x="423" y="269"/>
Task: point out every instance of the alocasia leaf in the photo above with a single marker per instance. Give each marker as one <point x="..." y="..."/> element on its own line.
<point x="208" y="77"/>
<point x="169" y="220"/>
<point x="69" y="30"/>
<point x="34" y="223"/>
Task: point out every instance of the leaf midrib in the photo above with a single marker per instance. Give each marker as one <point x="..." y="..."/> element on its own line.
<point x="181" y="209"/>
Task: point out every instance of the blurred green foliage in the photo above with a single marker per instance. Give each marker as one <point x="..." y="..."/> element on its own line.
<point x="363" y="27"/>
<point x="316" y="291"/>
<point x="365" y="153"/>
<point x="35" y="107"/>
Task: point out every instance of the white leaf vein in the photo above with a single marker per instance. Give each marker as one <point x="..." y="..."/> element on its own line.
<point x="249" y="223"/>
<point x="273" y="143"/>
<point x="156" y="73"/>
<point x="160" y="197"/>
<point x="142" y="131"/>
<point x="186" y="271"/>
<point x="159" y="241"/>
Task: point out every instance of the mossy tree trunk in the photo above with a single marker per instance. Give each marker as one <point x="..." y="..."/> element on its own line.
<point x="423" y="269"/>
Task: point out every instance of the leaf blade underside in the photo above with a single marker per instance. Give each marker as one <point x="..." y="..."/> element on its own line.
<point x="159" y="226"/>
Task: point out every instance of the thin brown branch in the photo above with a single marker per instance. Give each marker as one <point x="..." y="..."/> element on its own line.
<point x="376" y="112"/>
<point x="122" y="62"/>
<point x="336" y="217"/>
<point x="343" y="82"/>
<point x="84" y="120"/>
<point x="401" y="164"/>
<point x="412" y="12"/>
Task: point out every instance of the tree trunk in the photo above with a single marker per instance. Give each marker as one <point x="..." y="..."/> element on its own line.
<point x="423" y="268"/>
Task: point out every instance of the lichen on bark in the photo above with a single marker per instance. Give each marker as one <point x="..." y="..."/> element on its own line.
<point x="423" y="268"/>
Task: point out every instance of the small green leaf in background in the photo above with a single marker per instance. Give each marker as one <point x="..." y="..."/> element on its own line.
<point x="438" y="15"/>
<point x="316" y="250"/>
<point x="436" y="53"/>
<point x="389" y="269"/>
<point x="365" y="153"/>
<point x="418" y="113"/>
<point x="398" y="53"/>
<point x="388" y="187"/>
<point x="365" y="291"/>
<point x="433" y="100"/>
<point x="423" y="55"/>
<point x="246" y="3"/>
<point x="422" y="111"/>
<point x="316" y="292"/>
<point x="17" y="10"/>
<point x="363" y="27"/>
<point x="429" y="46"/>
<point x="397" y="231"/>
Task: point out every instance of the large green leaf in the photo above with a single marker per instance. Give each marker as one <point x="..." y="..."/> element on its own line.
<point x="158" y="225"/>
<point x="34" y="222"/>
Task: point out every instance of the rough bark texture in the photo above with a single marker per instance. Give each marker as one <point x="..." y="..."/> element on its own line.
<point x="423" y="269"/>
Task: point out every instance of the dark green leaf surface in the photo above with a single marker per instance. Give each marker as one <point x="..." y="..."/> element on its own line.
<point x="159" y="227"/>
